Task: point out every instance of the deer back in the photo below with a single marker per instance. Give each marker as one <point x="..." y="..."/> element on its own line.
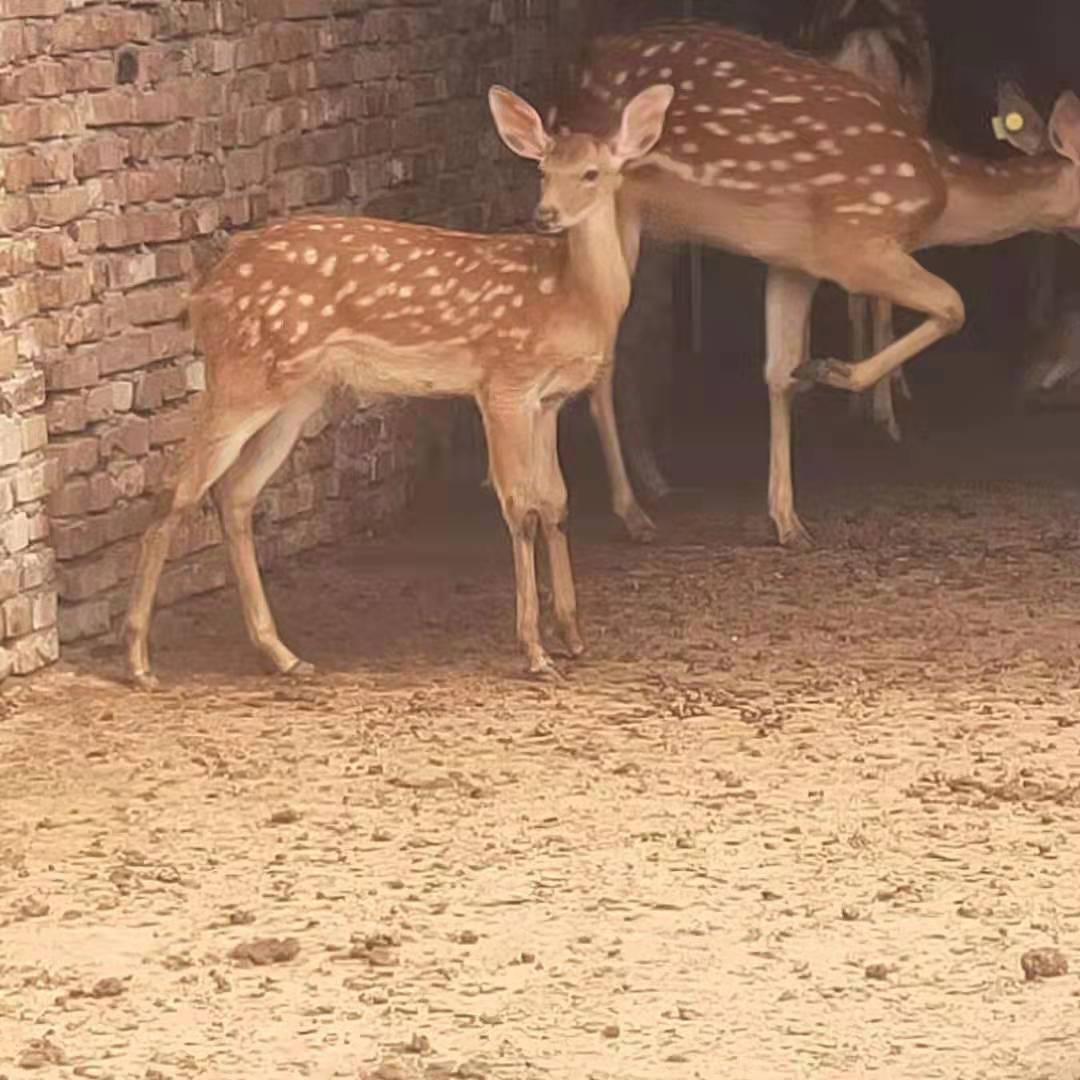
<point x="763" y="145"/>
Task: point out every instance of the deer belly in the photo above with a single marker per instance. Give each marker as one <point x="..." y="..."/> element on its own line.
<point x="570" y="377"/>
<point x="372" y="365"/>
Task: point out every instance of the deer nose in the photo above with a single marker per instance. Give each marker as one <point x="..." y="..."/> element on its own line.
<point x="546" y="217"/>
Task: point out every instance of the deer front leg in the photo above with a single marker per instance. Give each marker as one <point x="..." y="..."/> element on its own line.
<point x="602" y="407"/>
<point x="788" y="299"/>
<point x="512" y="451"/>
<point x="552" y="491"/>
<point x="897" y="277"/>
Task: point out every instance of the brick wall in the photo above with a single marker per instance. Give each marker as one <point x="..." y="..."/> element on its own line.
<point x="132" y="137"/>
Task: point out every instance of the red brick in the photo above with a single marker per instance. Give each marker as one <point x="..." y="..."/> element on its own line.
<point x="99" y="153"/>
<point x="15" y="533"/>
<point x="78" y="621"/>
<point x="31" y="9"/>
<point x="64" y="289"/>
<point x="99" y="28"/>
<point x="17" y="171"/>
<point x="156" y="107"/>
<point x="100" y="403"/>
<point x="128" y="520"/>
<point x="169" y="341"/>
<point x="173" y="262"/>
<point x="171" y="426"/>
<point x="43" y="610"/>
<point x="10" y="440"/>
<point x="17" y="302"/>
<point x="109" y="107"/>
<point x="128" y="435"/>
<point x="66" y="413"/>
<point x="73" y="537"/>
<point x="157" y="185"/>
<point x="215" y="55"/>
<point x="25" y="388"/>
<point x="60" y="207"/>
<point x="103" y="492"/>
<point x="16" y="213"/>
<point x="29" y="654"/>
<point x="51" y="249"/>
<point x="78" y="454"/>
<point x="149" y="390"/>
<point x="156" y="303"/>
<point x="126" y="271"/>
<point x="71" y="369"/>
<point x="129" y="477"/>
<point x="201" y="177"/>
<point x="83" y="325"/>
<point x="71" y="499"/>
<point x="35" y="433"/>
<point x="55" y="118"/>
<point x="89" y="73"/>
<point x="31" y="482"/>
<point x="19" y="124"/>
<point x="146" y="227"/>
<point x="9" y="355"/>
<point x="17" y="257"/>
<point x="17" y="617"/>
<point x="123" y="353"/>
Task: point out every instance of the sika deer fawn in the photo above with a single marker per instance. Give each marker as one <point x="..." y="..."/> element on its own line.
<point x="886" y="42"/>
<point x="519" y="323"/>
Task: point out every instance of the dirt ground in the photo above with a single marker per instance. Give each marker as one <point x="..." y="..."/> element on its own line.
<point x="794" y="815"/>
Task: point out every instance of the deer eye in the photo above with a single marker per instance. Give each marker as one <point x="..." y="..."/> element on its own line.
<point x="590" y="176"/>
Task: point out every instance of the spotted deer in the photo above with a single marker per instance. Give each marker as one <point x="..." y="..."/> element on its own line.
<point x="518" y="323"/>
<point x="886" y="42"/>
<point x="777" y="155"/>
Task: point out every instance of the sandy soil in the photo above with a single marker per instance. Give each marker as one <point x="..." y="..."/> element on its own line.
<point x="795" y="814"/>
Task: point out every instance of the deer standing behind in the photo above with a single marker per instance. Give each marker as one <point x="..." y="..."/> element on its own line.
<point x="519" y="323"/>
<point x="811" y="169"/>
<point x="886" y="42"/>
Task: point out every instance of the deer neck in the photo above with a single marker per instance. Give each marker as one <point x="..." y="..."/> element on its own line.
<point x="596" y="268"/>
<point x="993" y="200"/>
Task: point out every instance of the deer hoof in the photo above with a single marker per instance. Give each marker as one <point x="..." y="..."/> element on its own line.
<point x="794" y="537"/>
<point x="543" y="668"/>
<point x="145" y="681"/>
<point x="300" y="670"/>
<point x="639" y="526"/>
<point x="829" y="372"/>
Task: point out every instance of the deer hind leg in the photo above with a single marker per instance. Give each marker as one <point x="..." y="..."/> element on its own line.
<point x="871" y="321"/>
<point x="602" y="407"/>
<point x="212" y="448"/>
<point x="647" y="328"/>
<point x="236" y="493"/>
<point x="885" y="392"/>
<point x="512" y="449"/>
<point x="895" y="276"/>
<point x="788" y="299"/>
<point x="552" y="492"/>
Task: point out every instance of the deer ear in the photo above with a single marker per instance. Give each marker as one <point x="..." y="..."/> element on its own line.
<point x="1065" y="126"/>
<point x="518" y="123"/>
<point x="642" y="123"/>
<point x="1018" y="122"/>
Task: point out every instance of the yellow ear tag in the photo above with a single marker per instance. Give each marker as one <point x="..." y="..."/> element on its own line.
<point x="1007" y="125"/>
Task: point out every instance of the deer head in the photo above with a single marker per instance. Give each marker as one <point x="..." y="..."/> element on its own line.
<point x="1019" y="124"/>
<point x="578" y="172"/>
